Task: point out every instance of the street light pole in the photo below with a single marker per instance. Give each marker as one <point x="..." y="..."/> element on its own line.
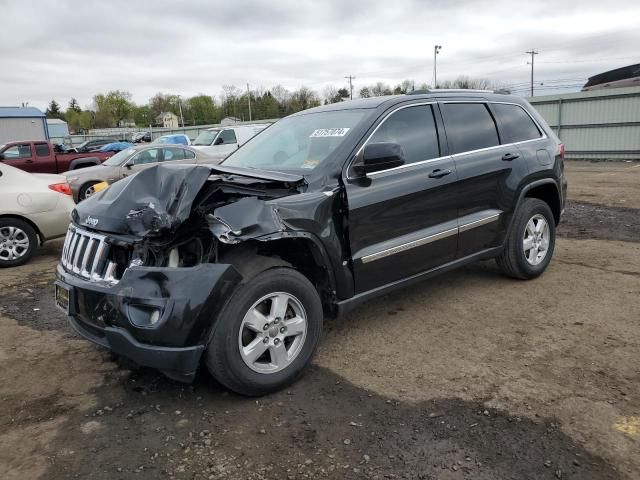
<point x="436" y="51"/>
<point x="532" y="52"/>
<point x="351" y="78"/>
<point x="249" y="100"/>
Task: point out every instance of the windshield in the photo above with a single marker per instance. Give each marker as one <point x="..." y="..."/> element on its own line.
<point x="206" y="137"/>
<point x="119" y="158"/>
<point x="297" y="142"/>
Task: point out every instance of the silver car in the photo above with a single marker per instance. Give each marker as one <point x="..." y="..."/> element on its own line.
<point x="130" y="161"/>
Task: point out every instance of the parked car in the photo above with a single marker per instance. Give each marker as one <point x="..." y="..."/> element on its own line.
<point x="115" y="147"/>
<point x="222" y="141"/>
<point x="94" y="144"/>
<point x="130" y="161"/>
<point x="235" y="265"/>
<point x="40" y="156"/>
<point x="174" y="139"/>
<point x="140" y="137"/>
<point x="34" y="208"/>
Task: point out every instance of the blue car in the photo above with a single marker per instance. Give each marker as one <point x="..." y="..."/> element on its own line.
<point x="116" y="147"/>
<point x="174" y="139"/>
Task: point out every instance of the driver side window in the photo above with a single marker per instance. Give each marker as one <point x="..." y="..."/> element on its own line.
<point x="146" y="156"/>
<point x="414" y="129"/>
<point x="227" y="137"/>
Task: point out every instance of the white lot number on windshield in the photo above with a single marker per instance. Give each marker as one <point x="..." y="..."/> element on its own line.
<point x="329" y="132"/>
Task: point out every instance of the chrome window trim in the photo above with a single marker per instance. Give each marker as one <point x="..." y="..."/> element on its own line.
<point x="430" y="238"/>
<point x="454" y="155"/>
<point x="384" y="119"/>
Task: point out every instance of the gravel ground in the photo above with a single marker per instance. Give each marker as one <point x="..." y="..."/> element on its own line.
<point x="468" y="376"/>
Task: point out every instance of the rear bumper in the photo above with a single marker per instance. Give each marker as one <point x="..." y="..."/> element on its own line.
<point x="187" y="301"/>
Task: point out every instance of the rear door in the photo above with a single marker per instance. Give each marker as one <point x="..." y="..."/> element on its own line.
<point x="488" y="174"/>
<point x="402" y="221"/>
<point x="44" y="158"/>
<point x="20" y="155"/>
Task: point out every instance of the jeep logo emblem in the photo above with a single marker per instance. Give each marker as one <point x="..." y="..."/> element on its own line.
<point x="91" y="221"/>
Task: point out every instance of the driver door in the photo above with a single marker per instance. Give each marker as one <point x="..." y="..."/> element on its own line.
<point x="403" y="220"/>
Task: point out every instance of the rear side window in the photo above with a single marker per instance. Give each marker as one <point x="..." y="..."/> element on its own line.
<point x="414" y="129"/>
<point x="228" y="136"/>
<point x="515" y="124"/>
<point x="469" y="126"/>
<point x="42" y="150"/>
<point x="188" y="154"/>
<point x="173" y="154"/>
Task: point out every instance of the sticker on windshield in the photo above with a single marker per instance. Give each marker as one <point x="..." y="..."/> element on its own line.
<point x="329" y="132"/>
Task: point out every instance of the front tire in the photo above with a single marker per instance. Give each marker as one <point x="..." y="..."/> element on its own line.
<point x="266" y="334"/>
<point x="530" y="244"/>
<point x="86" y="191"/>
<point x="18" y="241"/>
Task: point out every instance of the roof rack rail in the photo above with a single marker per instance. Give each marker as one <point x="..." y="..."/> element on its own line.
<point x="502" y="91"/>
<point x="418" y="92"/>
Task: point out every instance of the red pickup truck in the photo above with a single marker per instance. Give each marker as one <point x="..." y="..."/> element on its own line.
<point x="39" y="156"/>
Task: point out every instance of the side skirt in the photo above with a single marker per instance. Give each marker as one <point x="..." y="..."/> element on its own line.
<point x="345" y="306"/>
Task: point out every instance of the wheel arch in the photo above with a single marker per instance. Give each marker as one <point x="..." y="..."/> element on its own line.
<point x="301" y="252"/>
<point x="26" y="220"/>
<point x="79" y="163"/>
<point x="548" y="192"/>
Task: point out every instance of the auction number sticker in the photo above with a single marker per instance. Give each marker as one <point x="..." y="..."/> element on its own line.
<point x="329" y="132"/>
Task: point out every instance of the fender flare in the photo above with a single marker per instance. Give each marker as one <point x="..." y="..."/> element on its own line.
<point x="523" y="193"/>
<point x="73" y="165"/>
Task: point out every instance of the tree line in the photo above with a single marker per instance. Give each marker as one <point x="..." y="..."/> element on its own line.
<point x="116" y="108"/>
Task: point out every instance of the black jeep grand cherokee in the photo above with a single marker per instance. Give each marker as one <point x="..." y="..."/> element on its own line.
<point x="237" y="264"/>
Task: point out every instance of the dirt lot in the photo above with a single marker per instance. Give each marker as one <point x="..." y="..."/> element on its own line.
<point x="470" y="376"/>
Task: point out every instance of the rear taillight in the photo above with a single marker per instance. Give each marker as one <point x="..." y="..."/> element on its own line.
<point x="61" y="188"/>
<point x="561" y="150"/>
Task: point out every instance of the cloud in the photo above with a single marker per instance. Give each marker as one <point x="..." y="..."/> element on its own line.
<point x="63" y="49"/>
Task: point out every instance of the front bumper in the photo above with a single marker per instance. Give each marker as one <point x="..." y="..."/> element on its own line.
<point x="187" y="301"/>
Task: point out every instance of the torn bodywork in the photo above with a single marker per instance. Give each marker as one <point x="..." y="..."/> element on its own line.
<point x="179" y="239"/>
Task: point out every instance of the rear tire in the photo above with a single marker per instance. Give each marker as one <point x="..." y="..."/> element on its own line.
<point x="266" y="333"/>
<point x="18" y="241"/>
<point x="530" y="244"/>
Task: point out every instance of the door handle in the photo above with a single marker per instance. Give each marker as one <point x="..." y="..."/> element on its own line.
<point x="508" y="157"/>
<point x="439" y="173"/>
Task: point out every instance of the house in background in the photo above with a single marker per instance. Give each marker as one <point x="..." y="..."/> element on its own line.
<point x="57" y="128"/>
<point x="167" y="120"/>
<point x="22" y="123"/>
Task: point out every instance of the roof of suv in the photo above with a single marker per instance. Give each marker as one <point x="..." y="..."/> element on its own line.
<point x="375" y="102"/>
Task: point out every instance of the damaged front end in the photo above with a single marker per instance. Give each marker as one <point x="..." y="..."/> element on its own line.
<point x="148" y="263"/>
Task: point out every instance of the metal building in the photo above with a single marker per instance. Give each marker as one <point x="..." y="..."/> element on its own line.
<point x="597" y="124"/>
<point x="22" y="123"/>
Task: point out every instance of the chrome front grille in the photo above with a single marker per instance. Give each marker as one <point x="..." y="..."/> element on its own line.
<point x="86" y="254"/>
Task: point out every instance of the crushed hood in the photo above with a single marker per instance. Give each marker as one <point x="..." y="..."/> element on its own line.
<point x="156" y="199"/>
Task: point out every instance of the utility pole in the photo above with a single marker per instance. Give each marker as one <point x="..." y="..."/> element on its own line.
<point x="532" y="52"/>
<point x="249" y="100"/>
<point x="436" y="51"/>
<point x="351" y="78"/>
<point x="180" y="106"/>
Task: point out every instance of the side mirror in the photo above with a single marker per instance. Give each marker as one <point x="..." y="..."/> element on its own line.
<point x="128" y="164"/>
<point x="380" y="156"/>
<point x="219" y="141"/>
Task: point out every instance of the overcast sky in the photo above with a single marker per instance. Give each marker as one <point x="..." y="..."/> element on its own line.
<point x="62" y="49"/>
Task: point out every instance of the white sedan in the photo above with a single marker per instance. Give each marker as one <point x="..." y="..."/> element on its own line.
<point x="34" y="208"/>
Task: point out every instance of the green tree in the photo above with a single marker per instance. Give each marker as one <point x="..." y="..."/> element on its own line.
<point x="73" y="105"/>
<point x="365" y="92"/>
<point x="53" y="110"/>
<point x="201" y="110"/>
<point x="112" y="108"/>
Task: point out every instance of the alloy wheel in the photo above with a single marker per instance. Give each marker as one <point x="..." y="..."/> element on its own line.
<point x="536" y="239"/>
<point x="272" y="333"/>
